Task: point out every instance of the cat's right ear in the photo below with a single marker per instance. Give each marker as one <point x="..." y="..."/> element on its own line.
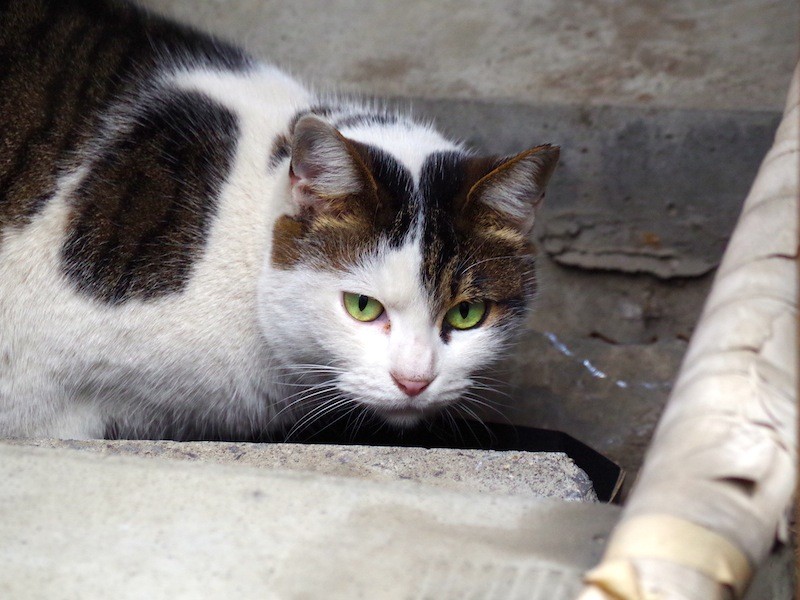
<point x="325" y="167"/>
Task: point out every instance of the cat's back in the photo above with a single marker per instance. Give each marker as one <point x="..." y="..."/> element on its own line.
<point x="62" y="62"/>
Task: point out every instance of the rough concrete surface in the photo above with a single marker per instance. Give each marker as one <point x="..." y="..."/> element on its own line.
<point x="79" y="525"/>
<point x="634" y="186"/>
<point x="539" y="474"/>
<point x="609" y="396"/>
<point x="708" y="54"/>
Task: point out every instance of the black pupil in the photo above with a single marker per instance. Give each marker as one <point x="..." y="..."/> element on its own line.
<point x="362" y="303"/>
<point x="463" y="308"/>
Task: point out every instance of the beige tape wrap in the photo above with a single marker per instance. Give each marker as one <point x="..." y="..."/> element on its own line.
<point x="664" y="537"/>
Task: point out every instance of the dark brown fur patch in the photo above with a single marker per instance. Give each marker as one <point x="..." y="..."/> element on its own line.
<point x="62" y="63"/>
<point x="470" y="254"/>
<point x="139" y="220"/>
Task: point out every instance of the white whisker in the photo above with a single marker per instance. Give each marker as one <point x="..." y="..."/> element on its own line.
<point x="477" y="401"/>
<point x="319" y="413"/>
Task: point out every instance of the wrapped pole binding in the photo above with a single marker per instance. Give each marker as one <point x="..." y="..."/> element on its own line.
<point x="716" y="488"/>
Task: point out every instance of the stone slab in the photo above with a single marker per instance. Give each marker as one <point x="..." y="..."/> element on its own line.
<point x="97" y="525"/>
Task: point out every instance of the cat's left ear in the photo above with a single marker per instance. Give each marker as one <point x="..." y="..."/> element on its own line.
<point x="515" y="188"/>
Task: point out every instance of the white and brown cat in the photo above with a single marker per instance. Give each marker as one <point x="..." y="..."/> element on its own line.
<point x="192" y="244"/>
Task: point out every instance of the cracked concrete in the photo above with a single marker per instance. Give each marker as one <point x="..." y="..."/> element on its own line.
<point x="652" y="191"/>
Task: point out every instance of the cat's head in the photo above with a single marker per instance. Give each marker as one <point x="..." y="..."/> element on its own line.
<point x="404" y="265"/>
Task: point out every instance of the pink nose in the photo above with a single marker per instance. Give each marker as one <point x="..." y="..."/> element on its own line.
<point x="412" y="387"/>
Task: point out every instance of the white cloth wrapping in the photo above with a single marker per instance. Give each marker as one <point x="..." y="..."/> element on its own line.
<point x="716" y="487"/>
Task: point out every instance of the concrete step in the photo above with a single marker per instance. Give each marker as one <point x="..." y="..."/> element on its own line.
<point x="79" y="524"/>
<point x="535" y="474"/>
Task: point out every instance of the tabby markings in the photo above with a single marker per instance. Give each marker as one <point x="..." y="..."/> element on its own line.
<point x="140" y="218"/>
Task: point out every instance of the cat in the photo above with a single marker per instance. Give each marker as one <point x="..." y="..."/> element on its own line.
<point x="195" y="245"/>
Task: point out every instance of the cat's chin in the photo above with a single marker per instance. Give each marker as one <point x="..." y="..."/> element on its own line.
<point x="402" y="418"/>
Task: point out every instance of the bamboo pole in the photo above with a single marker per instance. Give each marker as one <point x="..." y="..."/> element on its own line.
<point x="715" y="490"/>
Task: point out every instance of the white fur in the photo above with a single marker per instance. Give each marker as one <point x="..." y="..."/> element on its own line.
<point x="228" y="347"/>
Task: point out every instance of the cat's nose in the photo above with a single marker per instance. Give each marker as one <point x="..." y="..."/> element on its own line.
<point x="412" y="387"/>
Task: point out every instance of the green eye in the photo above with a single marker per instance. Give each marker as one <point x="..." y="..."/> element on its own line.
<point x="361" y="307"/>
<point x="465" y="315"/>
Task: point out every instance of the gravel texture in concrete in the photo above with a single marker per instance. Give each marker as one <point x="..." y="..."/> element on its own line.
<point x="535" y="474"/>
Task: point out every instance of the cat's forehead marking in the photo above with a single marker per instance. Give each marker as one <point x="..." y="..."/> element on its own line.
<point x="402" y="142"/>
<point x="466" y="256"/>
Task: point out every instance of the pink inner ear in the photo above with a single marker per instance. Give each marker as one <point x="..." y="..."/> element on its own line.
<point x="303" y="197"/>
